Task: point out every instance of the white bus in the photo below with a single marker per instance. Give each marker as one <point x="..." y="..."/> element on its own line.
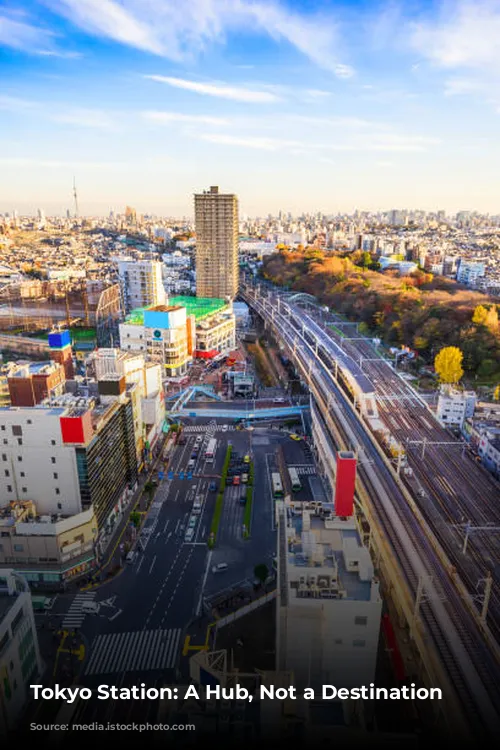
<point x="277" y="486"/>
<point x="210" y="449"/>
<point x="294" y="479"/>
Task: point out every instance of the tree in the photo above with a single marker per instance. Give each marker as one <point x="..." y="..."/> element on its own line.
<point x="486" y="317"/>
<point x="135" y="518"/>
<point x="448" y="364"/>
<point x="261" y="571"/>
<point x="480" y="314"/>
<point x="496" y="393"/>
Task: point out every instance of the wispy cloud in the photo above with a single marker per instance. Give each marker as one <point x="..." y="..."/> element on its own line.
<point x="264" y="144"/>
<point x="465" y="35"/>
<point x="25" y="37"/>
<point x="180" y="31"/>
<point x="169" y="117"/>
<point x="66" y="115"/>
<point x="220" y="90"/>
<point x="33" y="162"/>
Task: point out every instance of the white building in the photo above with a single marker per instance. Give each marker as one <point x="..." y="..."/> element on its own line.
<point x="329" y="605"/>
<point x="35" y="464"/>
<point x="20" y="662"/>
<point x="141" y="283"/>
<point x="469" y="272"/>
<point x="455" y="406"/>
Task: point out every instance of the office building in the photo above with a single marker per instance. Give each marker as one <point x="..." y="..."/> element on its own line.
<point x="216" y="218"/>
<point x="61" y="351"/>
<point x="469" y="272"/>
<point x="20" y="662"/>
<point x="141" y="283"/>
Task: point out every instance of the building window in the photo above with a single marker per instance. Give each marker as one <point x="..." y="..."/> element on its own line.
<point x="52" y="442"/>
<point x="17" y="430"/>
<point x="3" y="428"/>
<point x="52" y="458"/>
<point x="19" y="458"/>
<point x="361" y="620"/>
<point x="5" y="441"/>
<point x="22" y="473"/>
<point x="4" y="457"/>
<point x="7" y="474"/>
<point x="18" y="548"/>
<point x="9" y="488"/>
<point x="56" y="475"/>
<point x="25" y="489"/>
<point x="59" y="506"/>
<point x="359" y="642"/>
<point x="58" y="491"/>
<point x="19" y="441"/>
<point x="29" y="421"/>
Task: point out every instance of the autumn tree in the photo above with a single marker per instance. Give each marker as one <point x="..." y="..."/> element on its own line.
<point x="448" y="364"/>
<point x="496" y="393"/>
<point x="479" y="315"/>
<point x="487" y="317"/>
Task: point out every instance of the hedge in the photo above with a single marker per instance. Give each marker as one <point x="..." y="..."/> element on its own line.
<point x="219" y="503"/>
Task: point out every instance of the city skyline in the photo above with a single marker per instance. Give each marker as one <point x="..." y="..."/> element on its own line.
<point x="335" y="108"/>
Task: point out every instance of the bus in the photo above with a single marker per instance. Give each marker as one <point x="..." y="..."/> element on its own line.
<point x="277" y="486"/>
<point x="210" y="449"/>
<point x="294" y="479"/>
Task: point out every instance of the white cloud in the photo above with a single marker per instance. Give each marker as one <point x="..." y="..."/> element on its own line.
<point x="85" y="118"/>
<point x="168" y="117"/>
<point x="464" y="36"/>
<point x="25" y="37"/>
<point x="462" y="86"/>
<point x="180" y="30"/>
<point x="318" y="93"/>
<point x="15" y="104"/>
<point x="221" y="90"/>
<point x="265" y="144"/>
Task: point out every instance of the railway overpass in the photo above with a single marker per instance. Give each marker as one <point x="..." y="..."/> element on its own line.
<point x="457" y="649"/>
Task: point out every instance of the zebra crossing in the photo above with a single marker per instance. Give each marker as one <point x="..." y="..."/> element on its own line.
<point x="305" y="469"/>
<point x="74" y="616"/>
<point x="134" y="651"/>
<point x="208" y="428"/>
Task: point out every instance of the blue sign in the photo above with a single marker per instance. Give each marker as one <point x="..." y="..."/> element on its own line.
<point x="190" y="474"/>
<point x="181" y="475"/>
<point x="170" y="474"/>
<point x="192" y="414"/>
<point x="160" y="475"/>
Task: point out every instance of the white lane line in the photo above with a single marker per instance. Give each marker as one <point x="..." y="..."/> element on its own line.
<point x="207" y="567"/>
<point x="152" y="564"/>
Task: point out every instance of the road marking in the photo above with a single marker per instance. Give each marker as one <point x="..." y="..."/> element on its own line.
<point x="74" y="616"/>
<point x="152" y="564"/>
<point x="177" y="526"/>
<point x="115" y="615"/>
<point x="198" y="608"/>
<point x="166" y="524"/>
<point x="140" y="563"/>
<point x="142" y="650"/>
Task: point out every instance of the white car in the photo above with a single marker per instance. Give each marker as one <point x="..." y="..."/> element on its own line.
<point x="220" y="568"/>
<point x="189" y="534"/>
<point x="90" y="608"/>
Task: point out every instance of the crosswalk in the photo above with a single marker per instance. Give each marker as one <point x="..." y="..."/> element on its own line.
<point x="305" y="470"/>
<point x="74" y="616"/>
<point x="206" y="428"/>
<point x="135" y="651"/>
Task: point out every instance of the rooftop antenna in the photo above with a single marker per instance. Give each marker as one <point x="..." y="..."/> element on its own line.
<point x="75" y="196"/>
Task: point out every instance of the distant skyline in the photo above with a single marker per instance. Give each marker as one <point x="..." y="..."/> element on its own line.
<point x="300" y="106"/>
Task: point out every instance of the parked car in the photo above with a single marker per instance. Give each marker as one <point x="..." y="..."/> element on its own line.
<point x="130" y="557"/>
<point x="213" y="486"/>
<point x="192" y="522"/>
<point x="189" y="534"/>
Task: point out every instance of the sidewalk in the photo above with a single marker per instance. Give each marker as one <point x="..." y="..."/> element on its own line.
<point x="112" y="561"/>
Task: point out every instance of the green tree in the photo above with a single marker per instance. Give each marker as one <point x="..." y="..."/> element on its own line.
<point x="135" y="518"/>
<point x="261" y="571"/>
<point x="448" y="364"/>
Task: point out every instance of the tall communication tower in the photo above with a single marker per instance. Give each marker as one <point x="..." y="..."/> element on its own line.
<point x="75" y="196"/>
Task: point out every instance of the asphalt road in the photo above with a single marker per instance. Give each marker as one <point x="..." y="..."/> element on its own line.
<point x="144" y="613"/>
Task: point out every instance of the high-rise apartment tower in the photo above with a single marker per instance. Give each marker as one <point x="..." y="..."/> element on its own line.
<point x="216" y="216"/>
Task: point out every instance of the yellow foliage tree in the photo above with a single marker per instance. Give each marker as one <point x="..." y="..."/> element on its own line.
<point x="448" y="364"/>
<point x="496" y="393"/>
<point x="480" y="314"/>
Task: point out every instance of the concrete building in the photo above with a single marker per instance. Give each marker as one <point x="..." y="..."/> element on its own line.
<point x="49" y="550"/>
<point x="216" y="218"/>
<point x="469" y="272"/>
<point x="141" y="283"/>
<point x="329" y="605"/>
<point x="163" y="334"/>
<point x="20" y="662"/>
<point x="455" y="406"/>
<point x="70" y="454"/>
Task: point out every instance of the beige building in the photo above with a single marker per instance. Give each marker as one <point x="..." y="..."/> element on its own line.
<point x="216" y="217"/>
<point x="47" y="549"/>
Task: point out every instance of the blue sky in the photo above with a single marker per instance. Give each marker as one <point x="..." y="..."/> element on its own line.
<point x="302" y="105"/>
